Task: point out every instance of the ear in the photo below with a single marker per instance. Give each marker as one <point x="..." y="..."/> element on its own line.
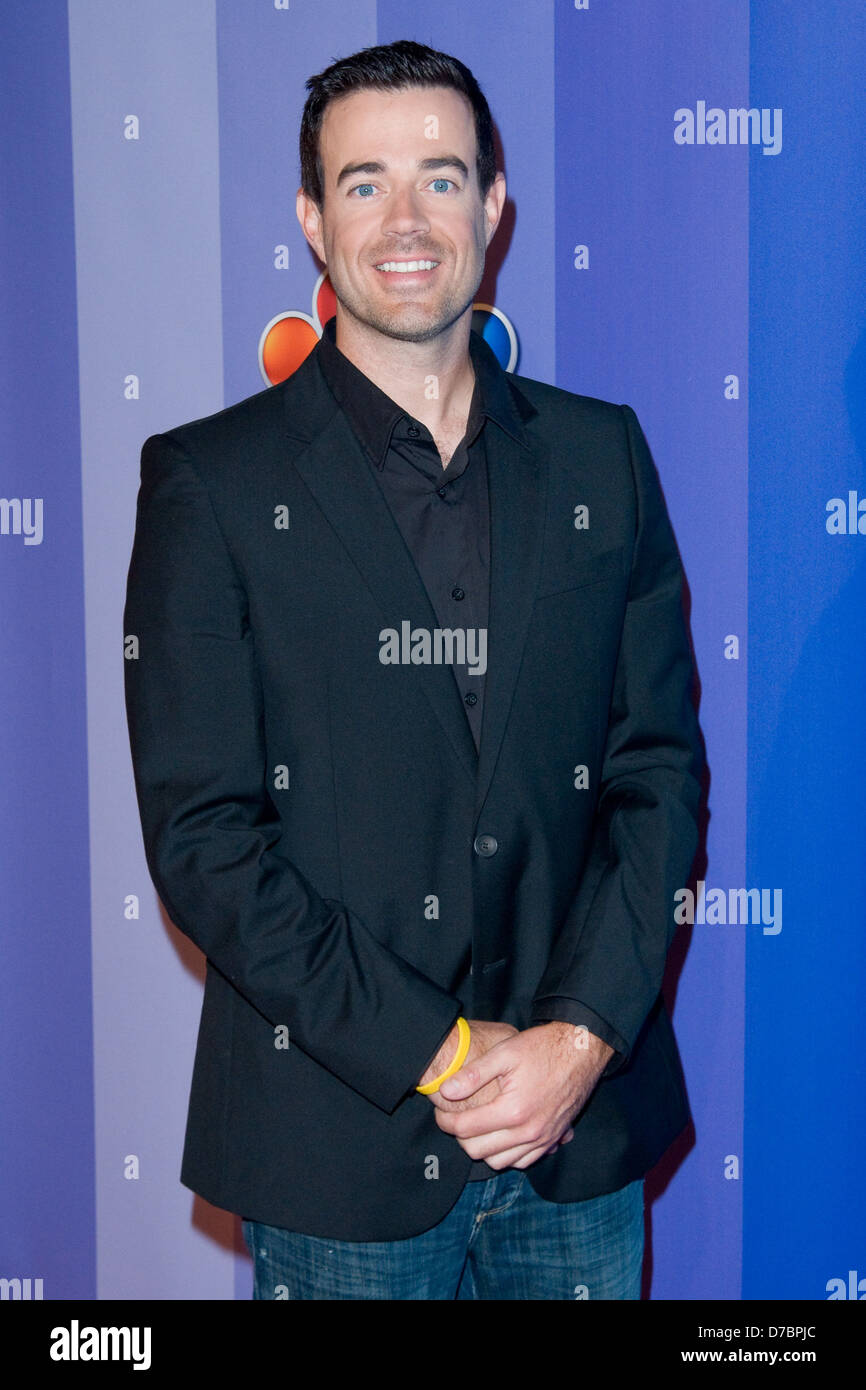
<point x="494" y="203"/>
<point x="310" y="218"/>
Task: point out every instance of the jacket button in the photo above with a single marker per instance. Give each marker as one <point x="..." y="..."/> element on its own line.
<point x="486" y="845"/>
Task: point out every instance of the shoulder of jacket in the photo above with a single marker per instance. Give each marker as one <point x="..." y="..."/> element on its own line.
<point x="555" y="400"/>
<point x="234" y="425"/>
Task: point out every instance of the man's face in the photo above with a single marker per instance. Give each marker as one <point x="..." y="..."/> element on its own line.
<point x="399" y="186"/>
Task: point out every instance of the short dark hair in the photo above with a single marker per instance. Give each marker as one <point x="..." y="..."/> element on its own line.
<point x="389" y="68"/>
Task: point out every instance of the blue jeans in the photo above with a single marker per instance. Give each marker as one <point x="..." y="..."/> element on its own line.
<point x="499" y="1241"/>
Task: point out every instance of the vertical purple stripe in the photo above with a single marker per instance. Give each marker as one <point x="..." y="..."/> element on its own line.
<point x="46" y="1188"/>
<point x="658" y="319"/>
<point x="509" y="48"/>
<point x="148" y="269"/>
<point x="264" y="57"/>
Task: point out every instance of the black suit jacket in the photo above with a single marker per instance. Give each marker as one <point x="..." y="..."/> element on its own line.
<point x="320" y="825"/>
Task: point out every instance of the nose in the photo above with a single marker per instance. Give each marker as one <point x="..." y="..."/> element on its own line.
<point x="404" y="213"/>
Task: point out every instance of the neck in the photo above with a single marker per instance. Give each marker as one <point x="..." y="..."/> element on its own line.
<point x="433" y="380"/>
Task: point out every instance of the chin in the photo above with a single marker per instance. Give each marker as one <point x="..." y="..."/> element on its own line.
<point x="411" y="332"/>
<point x="411" y="328"/>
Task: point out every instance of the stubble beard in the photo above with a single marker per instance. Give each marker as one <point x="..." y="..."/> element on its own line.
<point x="406" y="323"/>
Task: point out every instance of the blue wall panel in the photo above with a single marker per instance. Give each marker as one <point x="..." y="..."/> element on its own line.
<point x="805" y="1098"/>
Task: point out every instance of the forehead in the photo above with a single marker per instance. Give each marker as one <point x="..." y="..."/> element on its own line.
<point x="407" y="125"/>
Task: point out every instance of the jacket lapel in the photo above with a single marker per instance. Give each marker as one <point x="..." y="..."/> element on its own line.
<point x="338" y="474"/>
<point x="334" y="467"/>
<point x="517" y="484"/>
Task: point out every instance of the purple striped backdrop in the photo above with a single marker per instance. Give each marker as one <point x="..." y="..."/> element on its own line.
<point x="47" y="1189"/>
<point x="153" y="258"/>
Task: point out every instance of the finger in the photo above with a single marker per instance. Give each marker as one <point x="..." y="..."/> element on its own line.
<point x="492" y="1091"/>
<point x="502" y="1148"/>
<point x="449" y="1117"/>
<point x="519" y="1156"/>
<point x="489" y="1119"/>
<point x="473" y="1075"/>
<point x="564" y="1139"/>
<point x="491" y="1145"/>
<point x="530" y="1158"/>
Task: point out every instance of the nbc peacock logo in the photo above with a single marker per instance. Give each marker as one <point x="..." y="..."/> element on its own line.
<point x="292" y="335"/>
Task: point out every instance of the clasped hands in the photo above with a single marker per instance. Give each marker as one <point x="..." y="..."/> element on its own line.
<point x="518" y="1093"/>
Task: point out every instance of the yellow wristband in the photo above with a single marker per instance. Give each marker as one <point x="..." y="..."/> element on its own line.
<point x="463" y="1040"/>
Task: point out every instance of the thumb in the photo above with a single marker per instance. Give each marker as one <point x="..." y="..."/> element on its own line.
<point x="473" y="1075"/>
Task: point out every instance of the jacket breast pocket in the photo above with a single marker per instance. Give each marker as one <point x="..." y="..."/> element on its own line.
<point x="562" y="573"/>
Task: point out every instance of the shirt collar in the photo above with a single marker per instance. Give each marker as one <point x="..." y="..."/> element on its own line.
<point x="373" y="414"/>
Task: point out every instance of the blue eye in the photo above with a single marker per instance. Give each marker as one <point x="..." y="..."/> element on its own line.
<point x="441" y="190"/>
<point x="360" y="186"/>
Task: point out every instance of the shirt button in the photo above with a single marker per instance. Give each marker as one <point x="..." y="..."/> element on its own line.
<point x="458" y="593"/>
<point x="471" y="698"/>
<point x="486" y="846"/>
<point x="442" y="492"/>
<point x="414" y="431"/>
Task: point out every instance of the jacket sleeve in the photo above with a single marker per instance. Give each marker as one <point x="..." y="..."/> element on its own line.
<point x="609" y="957"/>
<point x="212" y="836"/>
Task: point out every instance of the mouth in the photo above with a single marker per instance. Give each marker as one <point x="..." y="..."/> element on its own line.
<point x="406" y="270"/>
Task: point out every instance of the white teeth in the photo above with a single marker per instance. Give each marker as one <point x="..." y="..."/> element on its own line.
<point x="405" y="267"/>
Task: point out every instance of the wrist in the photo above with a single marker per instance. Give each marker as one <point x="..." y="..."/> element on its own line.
<point x="577" y="1038"/>
<point x="443" y="1058"/>
<point x="464" y="1039"/>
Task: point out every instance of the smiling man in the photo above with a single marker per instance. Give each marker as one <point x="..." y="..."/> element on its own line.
<point x="435" y="894"/>
<point x="404" y="236"/>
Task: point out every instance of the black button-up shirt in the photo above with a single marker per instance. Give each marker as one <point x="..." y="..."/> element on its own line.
<point x="443" y="513"/>
<point x="444" y="517"/>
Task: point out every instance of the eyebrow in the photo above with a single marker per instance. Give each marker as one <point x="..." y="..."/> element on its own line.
<point x="375" y="166"/>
